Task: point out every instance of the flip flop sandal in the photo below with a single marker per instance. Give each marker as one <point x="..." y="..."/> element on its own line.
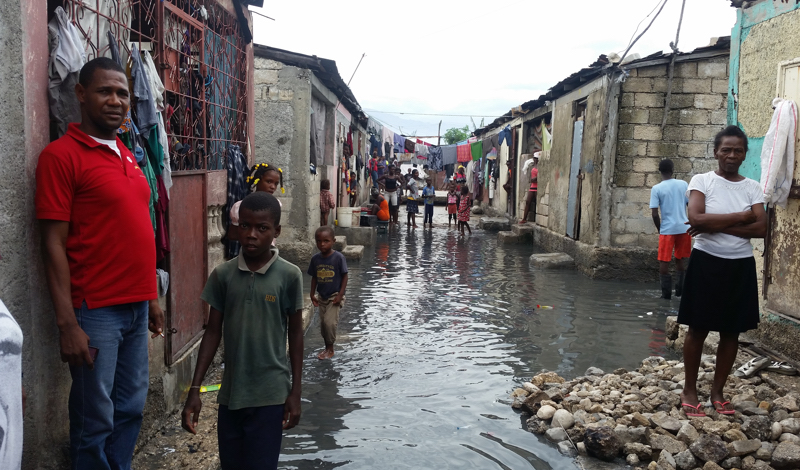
<point x="752" y="366"/>
<point x="721" y="408"/>
<point x="781" y="368"/>
<point x="697" y="413"/>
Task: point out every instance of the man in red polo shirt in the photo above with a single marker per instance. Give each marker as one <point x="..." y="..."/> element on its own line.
<point x="92" y="201"/>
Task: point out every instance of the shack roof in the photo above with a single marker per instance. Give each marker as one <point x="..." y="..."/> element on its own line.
<point x="324" y="69"/>
<point x="601" y="66"/>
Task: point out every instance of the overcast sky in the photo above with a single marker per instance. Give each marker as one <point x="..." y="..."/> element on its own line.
<point x="477" y="58"/>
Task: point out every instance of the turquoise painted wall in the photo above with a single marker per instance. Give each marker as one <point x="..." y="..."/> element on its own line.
<point x="745" y="20"/>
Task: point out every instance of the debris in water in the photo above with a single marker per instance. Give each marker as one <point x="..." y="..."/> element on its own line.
<point x="545" y="307"/>
<point x="649" y="313"/>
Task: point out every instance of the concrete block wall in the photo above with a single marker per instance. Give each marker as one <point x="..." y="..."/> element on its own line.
<point x="698" y="110"/>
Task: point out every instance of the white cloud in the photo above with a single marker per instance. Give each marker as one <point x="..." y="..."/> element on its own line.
<point x="471" y="57"/>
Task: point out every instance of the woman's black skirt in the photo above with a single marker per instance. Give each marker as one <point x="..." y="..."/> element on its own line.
<point x="720" y="294"/>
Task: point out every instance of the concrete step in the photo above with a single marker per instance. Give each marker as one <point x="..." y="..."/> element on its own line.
<point x="339" y="242"/>
<point x="507" y="238"/>
<point x="494" y="224"/>
<point x="353" y="252"/>
<point x="522" y="229"/>
<point x="552" y="261"/>
<point x="358" y="235"/>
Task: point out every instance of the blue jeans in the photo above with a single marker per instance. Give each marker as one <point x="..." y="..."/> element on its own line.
<point x="106" y="403"/>
<point x="250" y="438"/>
<point x="374" y="174"/>
<point x="428" y="214"/>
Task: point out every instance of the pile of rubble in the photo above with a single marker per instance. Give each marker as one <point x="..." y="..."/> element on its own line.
<point x="637" y="416"/>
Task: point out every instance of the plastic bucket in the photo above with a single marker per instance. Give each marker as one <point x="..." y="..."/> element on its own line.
<point x="345" y="216"/>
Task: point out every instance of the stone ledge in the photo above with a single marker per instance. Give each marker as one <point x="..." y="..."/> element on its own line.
<point x="357" y="235"/>
<point x="552" y="261"/>
<point x="353" y="252"/>
<point x="494" y="224"/>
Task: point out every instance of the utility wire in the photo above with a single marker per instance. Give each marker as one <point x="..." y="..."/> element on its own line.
<point x="431" y="114"/>
<point x="642" y="33"/>
<point x="640" y="23"/>
<point x="674" y="47"/>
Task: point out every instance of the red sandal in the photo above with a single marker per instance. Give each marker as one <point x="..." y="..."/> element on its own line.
<point x="697" y="413"/>
<point x="721" y="409"/>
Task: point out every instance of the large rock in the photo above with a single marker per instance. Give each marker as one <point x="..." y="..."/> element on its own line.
<point x="687" y="434"/>
<point x="546" y="412"/>
<point x="537" y="426"/>
<point x="661" y="442"/>
<point x="731" y="462"/>
<point x="786" y="455"/>
<point x="666" y="421"/>
<point x="790" y="425"/>
<point x="494" y="224"/>
<point x="709" y="448"/>
<point x="566" y="448"/>
<point x="353" y="252"/>
<point x="711" y="466"/>
<point x="556" y="434"/>
<point x="533" y="402"/>
<point x="594" y="371"/>
<point x="552" y="261"/>
<point x="716" y="427"/>
<point x="546" y="378"/>
<point x="644" y="452"/>
<point x="740" y="448"/>
<point x="786" y="403"/>
<point x="601" y="442"/>
<point x="685" y="460"/>
<point x="757" y="427"/>
<point x="665" y="461"/>
<point x="563" y="418"/>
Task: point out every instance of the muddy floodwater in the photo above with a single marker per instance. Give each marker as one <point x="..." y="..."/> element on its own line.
<point x="437" y="330"/>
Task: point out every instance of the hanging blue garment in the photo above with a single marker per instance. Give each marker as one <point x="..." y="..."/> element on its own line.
<point x="399" y="144"/>
<point x="505" y="136"/>
<point x="435" y="158"/>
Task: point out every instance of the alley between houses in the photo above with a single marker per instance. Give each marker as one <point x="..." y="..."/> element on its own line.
<point x="436" y="332"/>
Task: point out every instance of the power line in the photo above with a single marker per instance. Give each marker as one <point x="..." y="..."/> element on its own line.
<point x="432" y="114"/>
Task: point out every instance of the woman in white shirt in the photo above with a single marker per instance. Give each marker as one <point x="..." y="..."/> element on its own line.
<point x="720" y="293"/>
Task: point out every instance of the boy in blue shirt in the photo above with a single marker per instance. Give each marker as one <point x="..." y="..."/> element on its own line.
<point x="259" y="298"/>
<point x="670" y="197"/>
<point x="328" y="271"/>
<point x="429" y="194"/>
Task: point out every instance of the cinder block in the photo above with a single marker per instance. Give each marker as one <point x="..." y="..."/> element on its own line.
<point x="693" y="150"/>
<point x="627" y="100"/>
<point x="266" y="64"/>
<point x="353" y="252"/>
<point x="705" y="133"/>
<point x="273" y="93"/>
<point x="625" y="239"/>
<point x="626" y="210"/>
<point x="265" y="77"/>
<point x="712" y="70"/>
<point x="649" y="100"/>
<point x="630" y="180"/>
<point x="641" y="225"/>
<point x="647" y="132"/>
<point x="623" y="164"/>
<point x="680" y="101"/>
<point x="634" y="115"/>
<point x="652" y="180"/>
<point x="646" y="165"/>
<point x="543" y="209"/>
<point x="720" y="85"/>
<point x="625" y="132"/>
<point x="617" y="225"/>
<point x="339" y="243"/>
<point x="619" y="195"/>
<point x="286" y="95"/>
<point x="682" y="165"/>
<point x="648" y="241"/>
<point x="686" y="70"/>
<point x="662" y="84"/>
<point x="656" y="116"/>
<point x="542" y="220"/>
<point x="697" y="85"/>
<point x="661" y="149"/>
<point x="654" y="71"/>
<point x="633" y="148"/>
<point x="507" y="238"/>
<point x="677" y="133"/>
<point x="705" y="165"/>
<point x="713" y="101"/>
<point x="720" y="116"/>
<point x="695" y="116"/>
<point x="638" y="85"/>
<point x="638" y="195"/>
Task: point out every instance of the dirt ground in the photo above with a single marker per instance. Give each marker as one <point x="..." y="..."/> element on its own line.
<point x="174" y="448"/>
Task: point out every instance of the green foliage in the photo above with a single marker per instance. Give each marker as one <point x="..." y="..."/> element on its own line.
<point x="456" y="134"/>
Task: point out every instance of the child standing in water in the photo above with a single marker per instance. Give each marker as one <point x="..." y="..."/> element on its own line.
<point x="452" y="205"/>
<point x="464" y="207"/>
<point x="412" y="206"/>
<point x="429" y="194"/>
<point x="328" y="271"/>
<point x="326" y="202"/>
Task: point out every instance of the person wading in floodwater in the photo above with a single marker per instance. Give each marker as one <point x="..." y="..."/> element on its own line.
<point x="669" y="196"/>
<point x="726" y="210"/>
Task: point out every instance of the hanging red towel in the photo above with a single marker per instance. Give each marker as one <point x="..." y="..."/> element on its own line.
<point x="464" y="153"/>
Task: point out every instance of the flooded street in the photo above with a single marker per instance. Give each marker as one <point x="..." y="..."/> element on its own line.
<point x="437" y="330"/>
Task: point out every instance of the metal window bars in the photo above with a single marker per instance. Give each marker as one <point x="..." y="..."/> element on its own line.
<point x="199" y="47"/>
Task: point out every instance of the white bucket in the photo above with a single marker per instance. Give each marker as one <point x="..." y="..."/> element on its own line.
<point x="345" y="216"/>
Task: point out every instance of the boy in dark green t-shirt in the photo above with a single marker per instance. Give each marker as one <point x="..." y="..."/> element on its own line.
<point x="258" y="297"/>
